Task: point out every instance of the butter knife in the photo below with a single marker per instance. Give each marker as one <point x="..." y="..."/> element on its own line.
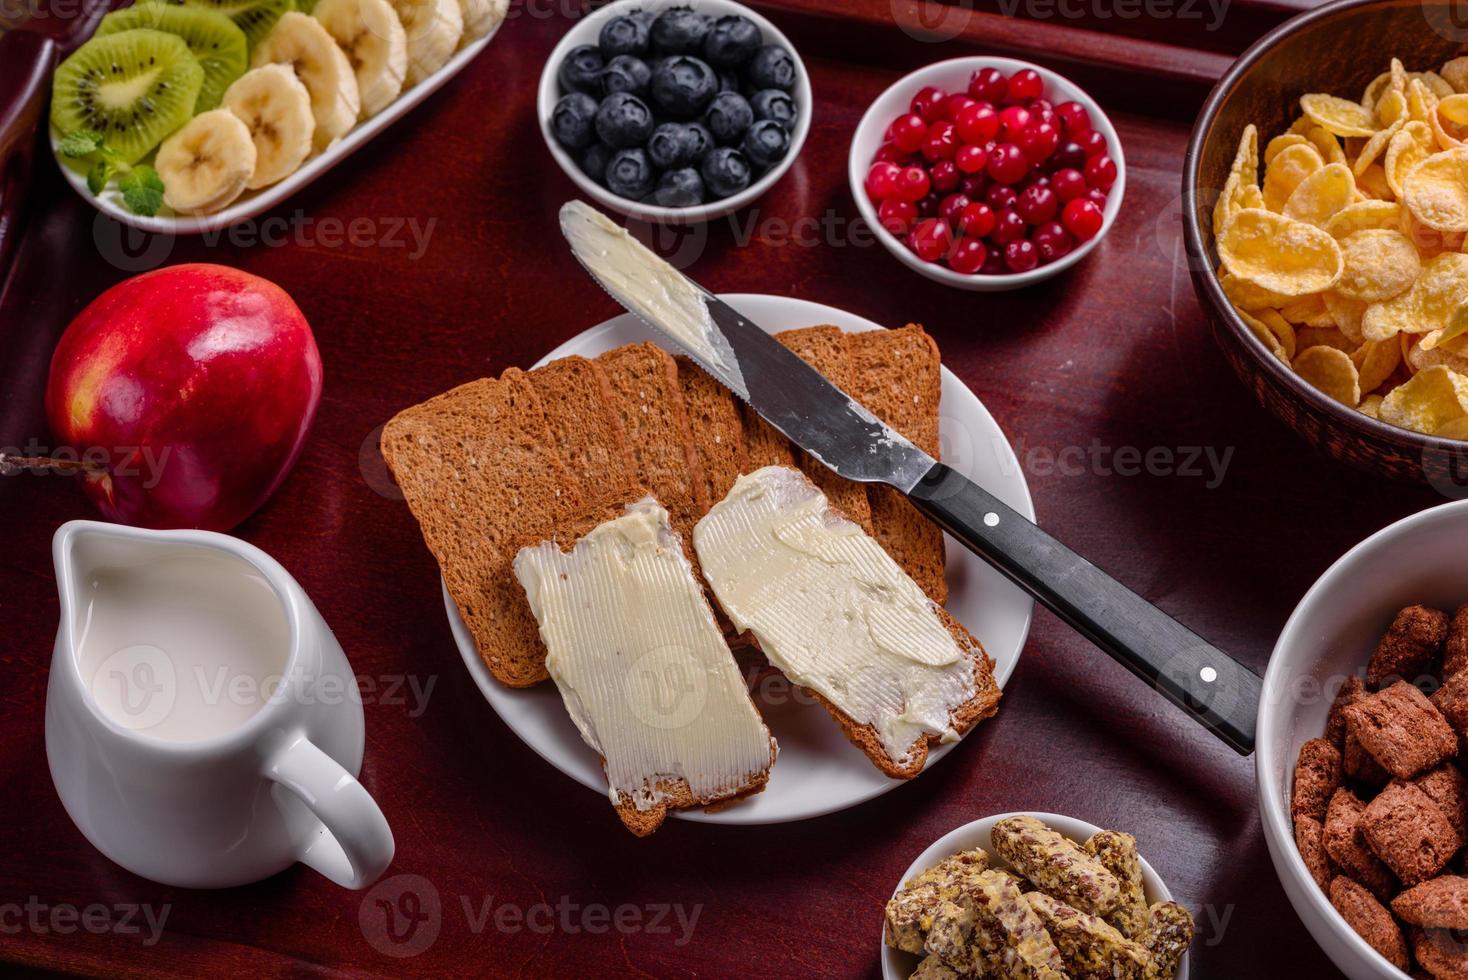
<point x="1207" y="684"/>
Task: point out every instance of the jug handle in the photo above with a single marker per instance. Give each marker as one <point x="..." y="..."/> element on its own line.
<point x="348" y="812"/>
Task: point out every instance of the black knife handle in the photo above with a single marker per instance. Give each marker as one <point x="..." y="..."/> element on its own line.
<point x="1216" y="690"/>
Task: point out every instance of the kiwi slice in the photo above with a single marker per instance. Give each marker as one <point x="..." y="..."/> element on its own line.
<point x="133" y="87"/>
<point x="254" y="17"/>
<point x="213" y="38"/>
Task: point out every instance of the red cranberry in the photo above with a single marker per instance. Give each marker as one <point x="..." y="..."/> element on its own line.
<point x="927" y="102"/>
<point x="897" y="216"/>
<point x="1040" y="105"/>
<point x="892" y="153"/>
<point x="1082" y="218"/>
<point x="909" y="133"/>
<point x="928" y="206"/>
<point x="881" y="180"/>
<point x="1074" y="118"/>
<point x="967" y="256"/>
<point x="971" y="159"/>
<point x="994" y="264"/>
<point x="930" y="239"/>
<point x="1101" y="172"/>
<point x="941" y="142"/>
<point x="1092" y="142"/>
<point x="988" y="85"/>
<point x="1097" y="197"/>
<point x="955" y="104"/>
<point x="945" y="176"/>
<point x="1068" y="184"/>
<point x="912" y="183"/>
<point x="1024" y="85"/>
<point x="1000" y="196"/>
<point x="1039" y="141"/>
<point x="976" y="220"/>
<point x="950" y="208"/>
<point x="1013" y="121"/>
<point x="975" y="186"/>
<point x="1070" y="155"/>
<point x="1008" y="164"/>
<point x="977" y="123"/>
<point x="1052" y="241"/>
<point x="1045" y="116"/>
<point x="1008" y="227"/>
<point x="1021" y="256"/>
<point x="1037" y="204"/>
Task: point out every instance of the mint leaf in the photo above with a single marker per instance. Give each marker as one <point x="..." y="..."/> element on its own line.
<point x="80" y="143"/>
<point x="142" y="191"/>
<point x="98" y="176"/>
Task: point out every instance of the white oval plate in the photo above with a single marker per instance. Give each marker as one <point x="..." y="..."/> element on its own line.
<point x="897" y="965"/>
<point x="818" y="771"/>
<point x="252" y="203"/>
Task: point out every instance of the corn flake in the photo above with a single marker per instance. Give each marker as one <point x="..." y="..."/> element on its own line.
<point x="1331" y="371"/>
<point x="1280" y="254"/>
<point x="1340" y="116"/>
<point x="1433" y="400"/>
<point x="1436" y="191"/>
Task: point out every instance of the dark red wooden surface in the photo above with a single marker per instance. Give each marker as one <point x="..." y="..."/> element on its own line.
<point x="1112" y="359"/>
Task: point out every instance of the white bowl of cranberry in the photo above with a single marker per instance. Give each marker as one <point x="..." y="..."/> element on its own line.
<point x="987" y="173"/>
<point x="674" y="111"/>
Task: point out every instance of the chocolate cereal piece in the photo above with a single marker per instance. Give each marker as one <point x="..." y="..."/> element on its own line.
<point x="1317" y="777"/>
<point x="1455" y="650"/>
<point x="1441" y="903"/>
<point x="1347" y="846"/>
<point x="933" y="968"/>
<point x="950" y="933"/>
<point x="1310" y="839"/>
<point x="1441" y="953"/>
<point x="1410" y="648"/>
<point x="1090" y="947"/>
<point x="1370" y="919"/>
<point x="1009" y="938"/>
<point x="1056" y="865"/>
<point x="1360" y="768"/>
<point x="1409" y="832"/>
<point x="1452" y="700"/>
<point x="1335" y="723"/>
<point x="910" y="912"/>
<point x="1167" y="937"/>
<point x="1117" y="853"/>
<point x="1402" y="730"/>
<point x="1447" y="788"/>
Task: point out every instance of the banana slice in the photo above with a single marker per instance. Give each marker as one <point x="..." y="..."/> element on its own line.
<point x="300" y="41"/>
<point x="207" y="163"/>
<point x="273" y="103"/>
<point x="433" y="28"/>
<point x="482" y="16"/>
<point x="373" y="40"/>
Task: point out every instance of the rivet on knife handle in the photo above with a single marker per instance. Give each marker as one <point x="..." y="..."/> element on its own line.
<point x="1218" y="691"/>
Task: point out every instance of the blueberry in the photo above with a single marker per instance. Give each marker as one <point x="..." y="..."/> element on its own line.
<point x="724" y="171"/>
<point x="731" y="42"/>
<point x="700" y="141"/>
<point x="728" y="117"/>
<point x="683" y="87"/>
<point x="771" y="103"/>
<point x="624" y="35"/>
<point x="729" y="82"/>
<point x="671" y="146"/>
<point x="680" y="30"/>
<point x="573" y="120"/>
<point x="594" y="161"/>
<point x="771" y="67"/>
<point x="624" y="73"/>
<point x="629" y="174"/>
<point x="682" y="188"/>
<point x="623" y="121"/>
<point x="581" y="71"/>
<point x="766" y="143"/>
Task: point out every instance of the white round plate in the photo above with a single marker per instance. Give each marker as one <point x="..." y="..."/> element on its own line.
<point x="897" y="965"/>
<point x="818" y="771"/>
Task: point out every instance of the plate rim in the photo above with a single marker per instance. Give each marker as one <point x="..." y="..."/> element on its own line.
<point x="493" y="691"/>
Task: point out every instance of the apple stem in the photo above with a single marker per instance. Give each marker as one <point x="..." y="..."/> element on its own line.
<point x="11" y="465"/>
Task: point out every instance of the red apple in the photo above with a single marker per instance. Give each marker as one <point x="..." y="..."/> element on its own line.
<point x="190" y="389"/>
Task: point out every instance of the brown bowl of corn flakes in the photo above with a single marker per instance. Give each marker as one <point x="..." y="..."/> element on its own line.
<point x="1325" y="214"/>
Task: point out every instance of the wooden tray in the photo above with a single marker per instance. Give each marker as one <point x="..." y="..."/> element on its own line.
<point x="1092" y="376"/>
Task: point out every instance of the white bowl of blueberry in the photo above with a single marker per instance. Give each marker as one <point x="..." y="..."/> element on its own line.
<point x="674" y="112"/>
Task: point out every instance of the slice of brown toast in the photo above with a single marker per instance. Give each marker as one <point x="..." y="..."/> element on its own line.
<point x="480" y="473"/>
<point x="585" y="429"/>
<point x="718" y="431"/>
<point x="647" y="396"/>
<point x="897" y="375"/>
<point x="765" y="444"/>
<point x="824" y="348"/>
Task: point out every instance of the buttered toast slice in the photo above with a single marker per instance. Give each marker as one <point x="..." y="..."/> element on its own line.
<point x="643" y="668"/>
<point x="481" y="476"/>
<point x="839" y="617"/>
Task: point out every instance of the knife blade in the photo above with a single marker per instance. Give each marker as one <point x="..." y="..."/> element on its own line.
<point x="1214" y="689"/>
